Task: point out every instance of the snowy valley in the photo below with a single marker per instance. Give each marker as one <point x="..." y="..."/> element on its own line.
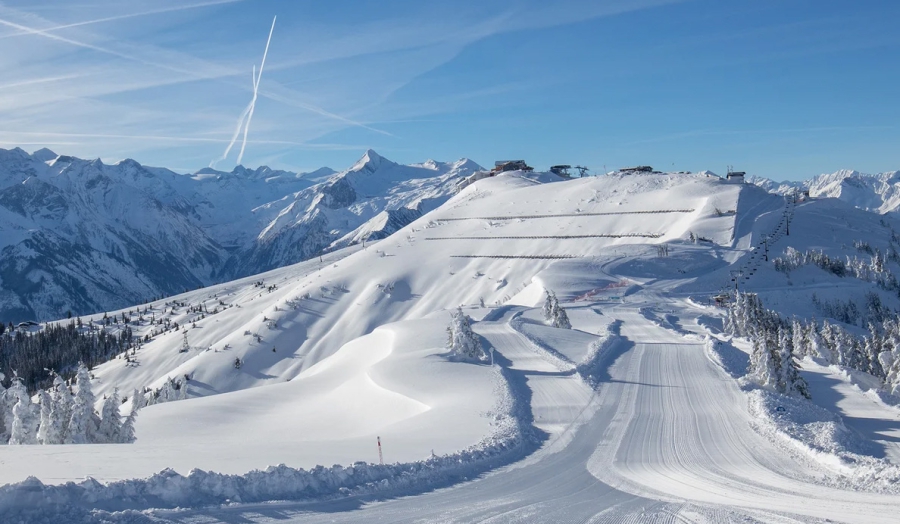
<point x="625" y="322"/>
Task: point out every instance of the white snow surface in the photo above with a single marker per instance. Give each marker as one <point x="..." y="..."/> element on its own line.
<point x="628" y="417"/>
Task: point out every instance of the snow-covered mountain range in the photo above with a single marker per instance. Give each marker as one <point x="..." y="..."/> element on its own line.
<point x="879" y="192"/>
<point x="81" y="236"/>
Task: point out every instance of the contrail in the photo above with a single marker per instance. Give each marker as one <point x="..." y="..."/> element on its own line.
<point x="237" y="130"/>
<point x="234" y="137"/>
<point x="85" y="45"/>
<point x="247" y="114"/>
<point x="256" y="91"/>
<point x="123" y="17"/>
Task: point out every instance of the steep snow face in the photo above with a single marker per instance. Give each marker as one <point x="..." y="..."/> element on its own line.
<point x="879" y="193"/>
<point x="82" y="236"/>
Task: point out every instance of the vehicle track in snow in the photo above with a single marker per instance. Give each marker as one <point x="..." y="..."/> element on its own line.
<point x="666" y="437"/>
<point x="681" y="431"/>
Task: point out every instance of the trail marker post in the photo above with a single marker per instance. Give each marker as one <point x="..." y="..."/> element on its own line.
<point x="380" y="457"/>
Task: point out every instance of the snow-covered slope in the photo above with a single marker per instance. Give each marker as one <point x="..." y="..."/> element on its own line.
<point x="81" y="236"/>
<point x="628" y="416"/>
<point x="485" y="244"/>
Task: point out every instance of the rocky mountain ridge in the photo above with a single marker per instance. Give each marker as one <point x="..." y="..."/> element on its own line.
<point x="78" y="236"/>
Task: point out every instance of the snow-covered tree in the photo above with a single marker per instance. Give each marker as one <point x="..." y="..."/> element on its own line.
<point x="553" y="313"/>
<point x="799" y="338"/>
<point x="789" y="380"/>
<point x="44" y="429"/>
<point x="461" y="340"/>
<point x="560" y="318"/>
<point x="547" y="308"/>
<point x="110" y="429"/>
<point x="126" y="433"/>
<point x="171" y="390"/>
<point x="84" y="422"/>
<point x="25" y="419"/>
<point x="5" y="412"/>
<point x="60" y="412"/>
<point x="817" y="346"/>
<point x="831" y="342"/>
<point x="873" y="346"/>
<point x="763" y="364"/>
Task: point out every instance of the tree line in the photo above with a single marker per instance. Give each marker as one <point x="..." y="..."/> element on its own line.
<point x="777" y="341"/>
<point x="34" y="357"/>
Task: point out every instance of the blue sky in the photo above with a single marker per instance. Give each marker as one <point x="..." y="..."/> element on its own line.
<point x="780" y="88"/>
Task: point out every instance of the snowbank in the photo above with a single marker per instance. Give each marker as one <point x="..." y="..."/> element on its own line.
<point x="593" y="369"/>
<point x="822" y="436"/>
<point x="809" y="432"/>
<point x="725" y="355"/>
<point x="90" y="500"/>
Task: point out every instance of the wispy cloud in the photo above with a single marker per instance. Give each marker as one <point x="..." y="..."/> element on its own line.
<point x="121" y="17"/>
<point x="143" y="54"/>
<point x="35" y="81"/>
<point x="177" y="83"/>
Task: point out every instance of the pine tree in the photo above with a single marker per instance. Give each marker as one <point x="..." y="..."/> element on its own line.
<point x="739" y="315"/>
<point x="60" y="412"/>
<point x="44" y="431"/>
<point x="830" y="347"/>
<point x="872" y="348"/>
<point x="138" y="399"/>
<point x="110" y="428"/>
<point x="461" y="340"/>
<point x="892" y="378"/>
<point x="183" y="390"/>
<point x="762" y="362"/>
<point x="547" y="309"/>
<point x="553" y="313"/>
<point x="84" y="422"/>
<point x="728" y="324"/>
<point x="817" y="345"/>
<point x="789" y="380"/>
<point x="126" y="433"/>
<point x="799" y="338"/>
<point x="25" y="422"/>
<point x="5" y="420"/>
<point x="560" y="318"/>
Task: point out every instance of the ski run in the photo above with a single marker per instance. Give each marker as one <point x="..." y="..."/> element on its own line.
<point x="605" y="349"/>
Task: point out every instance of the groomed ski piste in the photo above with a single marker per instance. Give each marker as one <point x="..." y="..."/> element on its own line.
<point x="639" y="413"/>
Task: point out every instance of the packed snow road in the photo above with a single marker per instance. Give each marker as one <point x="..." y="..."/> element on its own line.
<point x="665" y="438"/>
<point x="681" y="431"/>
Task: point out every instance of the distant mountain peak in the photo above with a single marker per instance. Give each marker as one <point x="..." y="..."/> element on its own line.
<point x="370" y="162"/>
<point x="44" y="155"/>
